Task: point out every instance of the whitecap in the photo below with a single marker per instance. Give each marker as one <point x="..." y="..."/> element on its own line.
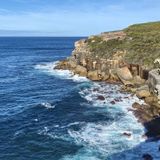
<point x="108" y="139"/>
<point x="63" y="74"/>
<point x="71" y="124"/>
<point x="111" y="96"/>
<point x="36" y="120"/>
<point x="52" y="133"/>
<point x="48" y="105"/>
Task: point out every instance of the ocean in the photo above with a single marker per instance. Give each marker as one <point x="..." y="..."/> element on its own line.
<point x="47" y="114"/>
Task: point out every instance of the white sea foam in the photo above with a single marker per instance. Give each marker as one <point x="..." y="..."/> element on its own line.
<point x="102" y="139"/>
<point x="54" y="132"/>
<point x="48" y="105"/>
<point x="109" y="139"/>
<point x="9" y="80"/>
<point x="70" y="124"/>
<point x="110" y="94"/>
<point x="36" y="120"/>
<point x="63" y="74"/>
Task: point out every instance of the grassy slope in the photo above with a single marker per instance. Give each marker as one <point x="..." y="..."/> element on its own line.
<point x="142" y="44"/>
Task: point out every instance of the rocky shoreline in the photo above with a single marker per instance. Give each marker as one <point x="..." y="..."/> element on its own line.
<point x="113" y="67"/>
<point x="132" y="82"/>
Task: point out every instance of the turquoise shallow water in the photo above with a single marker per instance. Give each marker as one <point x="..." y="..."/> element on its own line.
<point x="47" y="114"/>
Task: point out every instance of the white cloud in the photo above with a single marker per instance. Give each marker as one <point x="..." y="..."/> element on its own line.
<point x="76" y="21"/>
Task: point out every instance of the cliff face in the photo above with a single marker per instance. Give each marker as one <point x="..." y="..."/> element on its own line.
<point x="94" y="66"/>
<point x="100" y="57"/>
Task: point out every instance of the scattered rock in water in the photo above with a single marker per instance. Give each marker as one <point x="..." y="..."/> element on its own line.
<point x="136" y="105"/>
<point x="130" y="110"/>
<point x="126" y="97"/>
<point x="147" y="157"/>
<point x="127" y="134"/>
<point x="95" y="89"/>
<point x="113" y="102"/>
<point x="101" y="98"/>
<point x="118" y="99"/>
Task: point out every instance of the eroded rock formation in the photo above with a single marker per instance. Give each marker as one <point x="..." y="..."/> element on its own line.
<point x="84" y="62"/>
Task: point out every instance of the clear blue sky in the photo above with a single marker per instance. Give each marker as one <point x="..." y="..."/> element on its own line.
<point x="73" y="17"/>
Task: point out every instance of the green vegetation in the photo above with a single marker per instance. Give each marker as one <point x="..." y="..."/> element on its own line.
<point x="104" y="49"/>
<point x="142" y="44"/>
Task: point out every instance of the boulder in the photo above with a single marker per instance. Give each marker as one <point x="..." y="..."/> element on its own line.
<point x="138" y="80"/>
<point x="113" y="76"/>
<point x="151" y="99"/>
<point x="125" y="75"/>
<point x="82" y="71"/>
<point x="142" y="94"/>
<point x="93" y="75"/>
<point x="136" y="105"/>
<point x="127" y="134"/>
<point x="113" y="102"/>
<point x="62" y="65"/>
<point x="101" y="98"/>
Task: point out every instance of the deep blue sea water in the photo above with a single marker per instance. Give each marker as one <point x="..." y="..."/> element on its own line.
<point x="47" y="114"/>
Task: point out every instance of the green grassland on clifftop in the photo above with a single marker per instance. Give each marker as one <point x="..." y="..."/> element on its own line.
<point x="141" y="43"/>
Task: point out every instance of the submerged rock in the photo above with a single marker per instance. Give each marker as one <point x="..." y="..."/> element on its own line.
<point x="101" y="98"/>
<point x="113" y="102"/>
<point x="147" y="157"/>
<point x="127" y="134"/>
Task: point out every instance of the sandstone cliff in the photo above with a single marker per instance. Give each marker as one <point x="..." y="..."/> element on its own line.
<point x="100" y="57"/>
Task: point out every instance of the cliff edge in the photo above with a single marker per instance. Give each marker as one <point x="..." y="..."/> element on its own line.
<point x="130" y="52"/>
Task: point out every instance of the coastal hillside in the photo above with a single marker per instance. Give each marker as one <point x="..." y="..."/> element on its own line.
<point x="98" y="57"/>
<point x="140" y="42"/>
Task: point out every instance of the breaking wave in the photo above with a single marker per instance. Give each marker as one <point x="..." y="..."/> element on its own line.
<point x="63" y="74"/>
